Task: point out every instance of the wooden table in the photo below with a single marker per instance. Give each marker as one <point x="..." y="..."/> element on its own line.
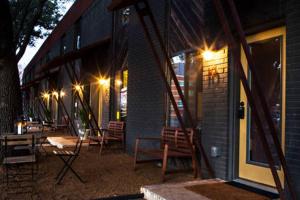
<point x="64" y="141"/>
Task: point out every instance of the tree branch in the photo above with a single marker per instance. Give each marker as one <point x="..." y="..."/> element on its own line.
<point x="23" y="19"/>
<point x="31" y="26"/>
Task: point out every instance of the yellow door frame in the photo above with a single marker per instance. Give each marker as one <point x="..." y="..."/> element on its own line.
<point x="253" y="172"/>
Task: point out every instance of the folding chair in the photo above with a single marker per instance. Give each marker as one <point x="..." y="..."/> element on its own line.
<point x="68" y="158"/>
<point x="19" y="150"/>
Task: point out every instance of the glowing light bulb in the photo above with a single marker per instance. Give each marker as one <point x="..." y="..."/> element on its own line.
<point x="208" y="55"/>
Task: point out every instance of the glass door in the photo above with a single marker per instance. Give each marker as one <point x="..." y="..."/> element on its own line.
<point x="268" y="51"/>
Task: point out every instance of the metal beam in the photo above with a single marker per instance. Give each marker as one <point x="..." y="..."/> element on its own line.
<point x="83" y="100"/>
<point x="261" y="95"/>
<point x="249" y="94"/>
<point x="146" y="11"/>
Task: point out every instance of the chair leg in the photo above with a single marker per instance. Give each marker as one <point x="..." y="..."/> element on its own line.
<point x="6" y="171"/>
<point x="64" y="167"/>
<point x="137" y="141"/>
<point x="194" y="163"/>
<point x="64" y="170"/>
<point x="101" y="145"/>
<point x="32" y="172"/>
<point x="165" y="162"/>
<point x="123" y="145"/>
<point x="68" y="167"/>
<point x="89" y="143"/>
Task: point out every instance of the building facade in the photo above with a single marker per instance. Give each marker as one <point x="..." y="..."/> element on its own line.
<point x="110" y="60"/>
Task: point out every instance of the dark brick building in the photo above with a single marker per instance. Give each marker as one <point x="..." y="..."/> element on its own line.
<point x="210" y="84"/>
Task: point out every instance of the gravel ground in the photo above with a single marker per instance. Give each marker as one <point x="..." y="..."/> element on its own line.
<point x="108" y="175"/>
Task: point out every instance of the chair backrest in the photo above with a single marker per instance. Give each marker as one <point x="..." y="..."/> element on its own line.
<point x="19" y="140"/>
<point x="175" y="139"/>
<point x="116" y="128"/>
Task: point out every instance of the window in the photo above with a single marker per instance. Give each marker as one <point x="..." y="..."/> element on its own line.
<point x="77" y="34"/>
<point x="188" y="70"/>
<point x="121" y="82"/>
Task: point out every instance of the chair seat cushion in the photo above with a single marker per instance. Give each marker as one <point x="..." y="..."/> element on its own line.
<point x="63" y="153"/>
<point x="19" y="159"/>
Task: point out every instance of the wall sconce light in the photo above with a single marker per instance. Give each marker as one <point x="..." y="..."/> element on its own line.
<point x="55" y="94"/>
<point x="62" y="93"/>
<point x="208" y="55"/>
<point x="119" y="82"/>
<point x="45" y="95"/>
<point x="78" y="87"/>
<point x="103" y="81"/>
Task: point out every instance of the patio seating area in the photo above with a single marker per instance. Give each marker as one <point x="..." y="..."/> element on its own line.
<point x="107" y="175"/>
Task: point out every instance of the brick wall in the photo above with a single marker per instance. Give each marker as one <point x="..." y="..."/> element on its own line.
<point x="293" y="92"/>
<point x="215" y="110"/>
<point x="145" y="89"/>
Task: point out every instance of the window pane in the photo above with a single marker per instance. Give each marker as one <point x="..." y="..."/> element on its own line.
<point x="267" y="60"/>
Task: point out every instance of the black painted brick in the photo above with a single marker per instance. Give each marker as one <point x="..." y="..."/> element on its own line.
<point x="292" y="92"/>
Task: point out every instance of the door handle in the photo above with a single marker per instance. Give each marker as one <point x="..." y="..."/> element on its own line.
<point x="241" y="111"/>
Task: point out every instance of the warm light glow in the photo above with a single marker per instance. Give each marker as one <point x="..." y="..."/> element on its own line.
<point x="54" y="93"/>
<point x="45" y="95"/>
<point x="103" y="81"/>
<point x="208" y="55"/>
<point x="119" y="82"/>
<point x="62" y="94"/>
<point x="78" y="87"/>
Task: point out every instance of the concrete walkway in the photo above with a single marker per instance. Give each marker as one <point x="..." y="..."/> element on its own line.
<point x="175" y="191"/>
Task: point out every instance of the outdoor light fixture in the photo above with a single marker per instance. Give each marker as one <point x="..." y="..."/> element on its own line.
<point x="119" y="82"/>
<point x="62" y="94"/>
<point x="45" y="95"/>
<point x="208" y="55"/>
<point x="78" y="87"/>
<point x="103" y="81"/>
<point x="54" y="93"/>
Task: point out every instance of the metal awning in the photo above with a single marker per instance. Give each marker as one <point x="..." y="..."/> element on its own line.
<point x="73" y="55"/>
<point x="39" y="78"/>
<point x="51" y="66"/>
<point x="118" y="4"/>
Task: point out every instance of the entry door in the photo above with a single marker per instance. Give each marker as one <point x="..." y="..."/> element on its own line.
<point x="268" y="51"/>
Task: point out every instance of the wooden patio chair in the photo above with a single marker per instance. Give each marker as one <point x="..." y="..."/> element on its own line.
<point x="68" y="157"/>
<point x="115" y="132"/>
<point x="172" y="145"/>
<point x="19" y="150"/>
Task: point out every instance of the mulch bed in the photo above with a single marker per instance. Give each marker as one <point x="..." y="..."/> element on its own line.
<point x="221" y="191"/>
<point x="108" y="175"/>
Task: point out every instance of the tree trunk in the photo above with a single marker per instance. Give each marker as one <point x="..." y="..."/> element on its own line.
<point x="10" y="93"/>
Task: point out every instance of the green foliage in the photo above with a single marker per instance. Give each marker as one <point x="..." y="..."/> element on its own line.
<point x="33" y="19"/>
<point x="30" y="113"/>
<point x="84" y="118"/>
